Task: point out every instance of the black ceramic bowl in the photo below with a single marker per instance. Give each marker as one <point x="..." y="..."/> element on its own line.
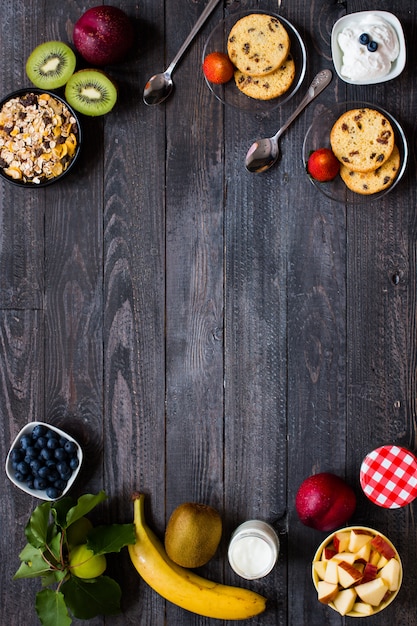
<point x="40" y="138"/>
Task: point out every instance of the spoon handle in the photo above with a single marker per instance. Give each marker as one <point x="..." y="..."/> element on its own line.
<point x="209" y="8"/>
<point x="319" y="82"/>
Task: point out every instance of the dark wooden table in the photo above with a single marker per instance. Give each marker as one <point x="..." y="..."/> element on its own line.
<point x="207" y="334"/>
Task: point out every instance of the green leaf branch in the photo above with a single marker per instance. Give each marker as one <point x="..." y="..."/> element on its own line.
<point x="47" y="556"/>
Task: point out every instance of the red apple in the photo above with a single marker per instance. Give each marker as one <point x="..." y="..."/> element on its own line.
<point x="103" y="35"/>
<point x="325" y="501"/>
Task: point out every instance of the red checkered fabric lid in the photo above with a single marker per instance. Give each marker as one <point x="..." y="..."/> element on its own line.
<point x="388" y="476"/>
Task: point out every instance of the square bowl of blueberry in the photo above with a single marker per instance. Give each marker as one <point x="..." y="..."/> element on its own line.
<point x="44" y="461"/>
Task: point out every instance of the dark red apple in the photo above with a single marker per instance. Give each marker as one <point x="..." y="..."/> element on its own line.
<point x="103" y="35"/>
<point x="325" y="502"/>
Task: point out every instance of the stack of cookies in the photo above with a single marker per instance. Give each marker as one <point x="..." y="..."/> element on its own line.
<point x="259" y="47"/>
<point x="364" y="142"/>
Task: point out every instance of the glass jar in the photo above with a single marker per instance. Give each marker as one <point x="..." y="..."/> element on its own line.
<point x="253" y="549"/>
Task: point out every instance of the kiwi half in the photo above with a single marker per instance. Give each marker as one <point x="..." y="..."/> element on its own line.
<point x="50" y="65"/>
<point x="91" y="92"/>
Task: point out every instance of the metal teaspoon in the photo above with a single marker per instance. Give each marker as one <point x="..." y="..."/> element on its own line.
<point x="159" y="87"/>
<point x="264" y="152"/>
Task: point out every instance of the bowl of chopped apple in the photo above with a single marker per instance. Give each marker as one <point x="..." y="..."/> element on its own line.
<point x="357" y="571"/>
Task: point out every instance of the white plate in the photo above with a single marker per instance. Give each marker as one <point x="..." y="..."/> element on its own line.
<point x="337" y="55"/>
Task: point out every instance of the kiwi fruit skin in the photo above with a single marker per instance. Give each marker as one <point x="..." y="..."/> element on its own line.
<point x="50" y="65"/>
<point x="193" y="534"/>
<point x="91" y="92"/>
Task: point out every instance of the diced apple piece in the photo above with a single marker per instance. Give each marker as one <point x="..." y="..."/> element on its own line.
<point x="382" y="562"/>
<point x="331" y="575"/>
<point x="363" y="608"/>
<point x="383" y="547"/>
<point x="327" y="591"/>
<point x="369" y="573"/>
<point x="348" y="574"/>
<point x="320" y="568"/>
<point x="373" y="591"/>
<point x="358" y="541"/>
<point x="374" y="557"/>
<point x="341" y="541"/>
<point x="328" y="553"/>
<point x="349" y="557"/>
<point x="363" y="555"/>
<point x="390" y="574"/>
<point x="345" y="600"/>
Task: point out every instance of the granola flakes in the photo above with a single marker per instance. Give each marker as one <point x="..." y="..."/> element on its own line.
<point x="38" y="138"/>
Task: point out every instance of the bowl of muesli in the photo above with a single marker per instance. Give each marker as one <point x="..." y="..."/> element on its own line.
<point x="40" y="137"/>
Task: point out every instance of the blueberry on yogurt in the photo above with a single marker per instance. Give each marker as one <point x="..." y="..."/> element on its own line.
<point x="364" y="39"/>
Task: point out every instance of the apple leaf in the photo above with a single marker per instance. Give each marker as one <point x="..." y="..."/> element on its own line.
<point x="36" y="530"/>
<point x="60" y="509"/>
<point x="32" y="563"/>
<point x="112" y="538"/>
<point x="51" y="609"/>
<point x="88" y="598"/>
<point x="85" y="504"/>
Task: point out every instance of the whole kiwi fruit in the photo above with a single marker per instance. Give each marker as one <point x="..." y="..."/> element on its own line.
<point x="193" y="534"/>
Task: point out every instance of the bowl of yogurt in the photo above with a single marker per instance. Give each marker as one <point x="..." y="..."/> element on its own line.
<point x="368" y="47"/>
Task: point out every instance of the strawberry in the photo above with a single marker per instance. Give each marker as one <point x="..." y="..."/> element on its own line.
<point x="218" y="68"/>
<point x="323" y="165"/>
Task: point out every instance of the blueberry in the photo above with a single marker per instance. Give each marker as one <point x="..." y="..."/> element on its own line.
<point x="364" y="39"/>
<point x="16" y="455"/>
<point x="50" y="463"/>
<point x="53" y="493"/>
<point x="46" y="454"/>
<point x="70" y="447"/>
<point x="40" y="483"/>
<point x="41" y="442"/>
<point x="60" y="454"/>
<point x="74" y="463"/>
<point x="64" y="470"/>
<point x="35" y="465"/>
<point x="51" y="434"/>
<point x="53" y="443"/>
<point x="372" y="46"/>
<point x="19" y="477"/>
<point x="62" y="441"/>
<point x="39" y="430"/>
<point x="60" y="484"/>
<point x="43" y="471"/>
<point x="23" y="468"/>
<point x="31" y="452"/>
<point x="30" y="481"/>
<point x="25" y="441"/>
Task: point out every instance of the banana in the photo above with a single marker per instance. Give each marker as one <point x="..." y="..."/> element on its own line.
<point x="182" y="586"/>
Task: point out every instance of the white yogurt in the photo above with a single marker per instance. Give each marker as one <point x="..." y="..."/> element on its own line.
<point x="358" y="62"/>
<point x="253" y="549"/>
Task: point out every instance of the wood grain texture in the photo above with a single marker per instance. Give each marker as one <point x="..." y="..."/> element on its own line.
<point x="208" y="334"/>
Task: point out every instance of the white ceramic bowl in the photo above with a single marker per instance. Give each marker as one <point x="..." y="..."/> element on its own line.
<point x="337" y="55"/>
<point x="41" y="493"/>
<point x="363" y="530"/>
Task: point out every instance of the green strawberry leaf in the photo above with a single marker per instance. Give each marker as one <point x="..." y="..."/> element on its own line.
<point x="88" y="598"/>
<point x="36" y="530"/>
<point x="111" y="538"/>
<point x="51" y="609"/>
<point x="85" y="504"/>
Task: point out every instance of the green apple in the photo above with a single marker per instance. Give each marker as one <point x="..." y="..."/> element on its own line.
<point x="77" y="532"/>
<point x="85" y="564"/>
